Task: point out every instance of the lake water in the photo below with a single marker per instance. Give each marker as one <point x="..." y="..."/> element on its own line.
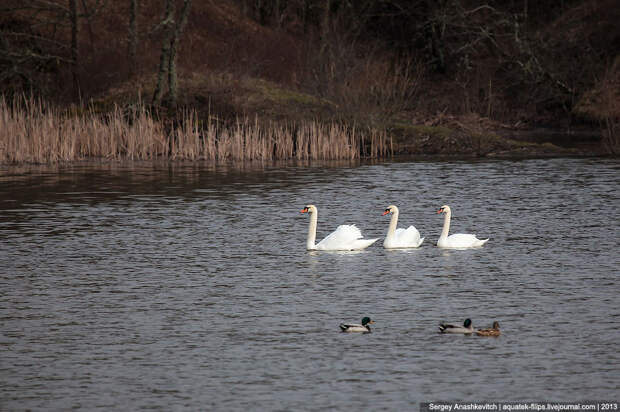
<point x="188" y="287"/>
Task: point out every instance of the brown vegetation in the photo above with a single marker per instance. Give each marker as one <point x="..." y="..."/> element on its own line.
<point x="33" y="132"/>
<point x="602" y="104"/>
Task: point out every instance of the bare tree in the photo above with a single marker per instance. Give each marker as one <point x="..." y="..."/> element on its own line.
<point x="42" y="37"/>
<point x="167" y="59"/>
<point x="164" y="57"/>
<point x="74" y="48"/>
<point x="172" y="65"/>
<point x="132" y="43"/>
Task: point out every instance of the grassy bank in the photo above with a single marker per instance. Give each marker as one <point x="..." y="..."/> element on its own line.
<point x="34" y="132"/>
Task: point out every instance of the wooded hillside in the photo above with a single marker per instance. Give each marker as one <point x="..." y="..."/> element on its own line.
<point x="396" y="64"/>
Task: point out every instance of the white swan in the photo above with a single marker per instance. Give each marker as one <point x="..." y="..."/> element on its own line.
<point x="345" y="237"/>
<point x="458" y="240"/>
<point x="400" y="238"/>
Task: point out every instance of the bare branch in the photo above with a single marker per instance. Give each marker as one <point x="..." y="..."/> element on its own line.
<point x="35" y="37"/>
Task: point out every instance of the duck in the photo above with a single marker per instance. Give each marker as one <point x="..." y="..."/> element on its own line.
<point x="400" y="238"/>
<point x="467" y="327"/>
<point x="354" y="327"/>
<point x="457" y="240"/>
<point x="345" y="237"/>
<point x="492" y="331"/>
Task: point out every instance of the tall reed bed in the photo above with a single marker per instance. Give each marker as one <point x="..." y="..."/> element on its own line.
<point x="34" y="132"/>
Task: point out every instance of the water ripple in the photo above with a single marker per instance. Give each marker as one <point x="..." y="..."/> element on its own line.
<point x="188" y="287"/>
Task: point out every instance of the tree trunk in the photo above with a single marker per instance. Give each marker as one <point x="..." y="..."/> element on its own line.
<point x="325" y="26"/>
<point x="277" y="14"/>
<point x="437" y="47"/>
<point x="164" y="61"/>
<point x="172" y="65"/>
<point x="74" y="49"/>
<point x="306" y="14"/>
<point x="133" y="37"/>
<point x="172" y="73"/>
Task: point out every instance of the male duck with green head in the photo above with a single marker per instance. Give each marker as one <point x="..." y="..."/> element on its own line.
<point x="466" y="329"/>
<point x="354" y="327"/>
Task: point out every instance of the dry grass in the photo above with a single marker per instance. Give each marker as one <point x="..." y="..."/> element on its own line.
<point x="33" y="132"/>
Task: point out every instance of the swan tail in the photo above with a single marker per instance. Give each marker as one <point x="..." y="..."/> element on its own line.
<point x="363" y="243"/>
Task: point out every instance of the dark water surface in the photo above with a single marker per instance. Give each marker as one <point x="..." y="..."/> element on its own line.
<point x="187" y="287"/>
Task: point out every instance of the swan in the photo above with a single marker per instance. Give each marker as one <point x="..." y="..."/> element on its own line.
<point x="467" y="327"/>
<point x="354" y="327"/>
<point x="400" y="238"/>
<point x="494" y="331"/>
<point x="345" y="237"/>
<point x="458" y="240"/>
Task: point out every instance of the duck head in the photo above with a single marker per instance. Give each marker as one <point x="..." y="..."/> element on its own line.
<point x="366" y="320"/>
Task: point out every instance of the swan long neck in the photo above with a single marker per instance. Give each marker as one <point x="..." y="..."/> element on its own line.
<point x="312" y="231"/>
<point x="446" y="225"/>
<point x="393" y="223"/>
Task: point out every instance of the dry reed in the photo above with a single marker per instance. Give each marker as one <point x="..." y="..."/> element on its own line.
<point x="33" y="132"/>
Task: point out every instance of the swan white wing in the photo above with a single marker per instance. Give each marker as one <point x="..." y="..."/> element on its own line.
<point x="409" y="237"/>
<point x="340" y="239"/>
<point x="360" y="244"/>
<point x="464" y="240"/>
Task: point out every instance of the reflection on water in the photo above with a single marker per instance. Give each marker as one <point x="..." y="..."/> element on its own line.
<point x="187" y="286"/>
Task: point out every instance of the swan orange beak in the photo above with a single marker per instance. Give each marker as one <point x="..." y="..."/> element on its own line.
<point x="440" y="210"/>
<point x="304" y="210"/>
<point x="386" y="212"/>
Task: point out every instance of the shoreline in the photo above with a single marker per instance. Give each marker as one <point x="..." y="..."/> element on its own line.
<point x="229" y="163"/>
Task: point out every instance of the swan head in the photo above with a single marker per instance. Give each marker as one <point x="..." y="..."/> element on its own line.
<point x="444" y="209"/>
<point x="390" y="209"/>
<point x="467" y="323"/>
<point x="308" y="209"/>
<point x="366" y="320"/>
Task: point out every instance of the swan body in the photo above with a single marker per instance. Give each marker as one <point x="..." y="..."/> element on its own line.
<point x="354" y="327"/>
<point x="467" y="327"/>
<point x="400" y="238"/>
<point x="493" y="331"/>
<point x="345" y="237"/>
<point x="458" y="240"/>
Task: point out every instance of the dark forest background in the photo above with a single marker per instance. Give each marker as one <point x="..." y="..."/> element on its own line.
<point x="509" y="64"/>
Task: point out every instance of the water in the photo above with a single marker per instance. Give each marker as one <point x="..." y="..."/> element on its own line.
<point x="187" y="287"/>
